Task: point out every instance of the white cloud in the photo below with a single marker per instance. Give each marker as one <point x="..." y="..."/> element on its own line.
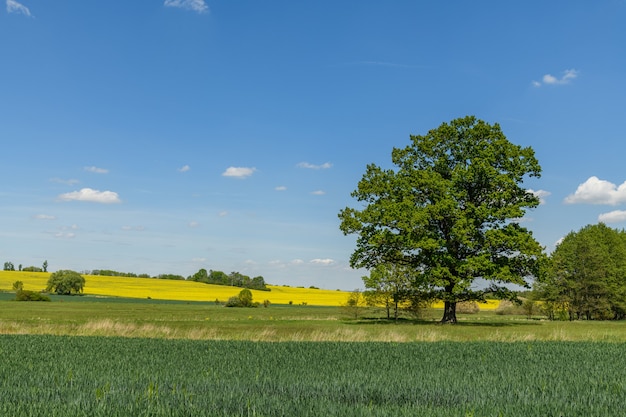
<point x="193" y="224"/>
<point x="198" y="6"/>
<point x="94" y="196"/>
<point x="540" y="194"/>
<point x="597" y="191"/>
<point x="238" y="172"/>
<point x="44" y="217"/>
<point x="184" y="168"/>
<point x="15" y="7"/>
<point x="65" y="235"/>
<point x="324" y="262"/>
<point x="318" y="192"/>
<point x="223" y="213"/>
<point x="280" y="188"/>
<point x="97" y="170"/>
<point x="306" y="165"/>
<point x="297" y="262"/>
<point x="549" y="79"/>
<point x="199" y="260"/>
<point x="615" y="216"/>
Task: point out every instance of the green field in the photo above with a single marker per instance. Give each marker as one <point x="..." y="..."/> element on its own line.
<point x="108" y="376"/>
<point x="119" y="357"/>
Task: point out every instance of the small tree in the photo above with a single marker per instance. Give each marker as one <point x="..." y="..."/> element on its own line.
<point x="18" y="286"/>
<point x="66" y="282"/>
<point x="354" y="304"/>
<point x="244" y="299"/>
<point x="45" y="266"/>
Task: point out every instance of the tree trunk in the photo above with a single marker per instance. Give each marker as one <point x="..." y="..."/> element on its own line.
<point x="449" y="313"/>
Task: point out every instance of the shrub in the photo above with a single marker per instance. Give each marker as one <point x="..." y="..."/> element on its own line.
<point x="507" y="308"/>
<point x="266" y="303"/>
<point x="18" y="286"/>
<point x="233" y="301"/>
<point x="467" y="307"/>
<point x="244" y="299"/>
<point x="25" y="295"/>
<point x="66" y="282"/>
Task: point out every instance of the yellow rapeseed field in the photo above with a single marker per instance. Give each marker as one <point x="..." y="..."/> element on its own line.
<point x="163" y="289"/>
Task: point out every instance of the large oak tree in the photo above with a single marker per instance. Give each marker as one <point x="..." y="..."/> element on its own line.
<point x="449" y="211"/>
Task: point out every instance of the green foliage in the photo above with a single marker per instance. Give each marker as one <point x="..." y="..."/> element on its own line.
<point x="8" y="266"/>
<point x="186" y="377"/>
<point x="18" y="286"/>
<point x="244" y="299"/>
<point x="447" y="212"/>
<point x="235" y="279"/>
<point x="32" y="269"/>
<point x="394" y="287"/>
<point x="354" y="304"/>
<point x="25" y="295"/>
<point x="586" y="275"/>
<point x="44" y="266"/>
<point x="66" y="282"/>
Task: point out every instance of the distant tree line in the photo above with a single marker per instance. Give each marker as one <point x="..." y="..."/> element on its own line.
<point x="9" y="266"/>
<point x="234" y="279"/>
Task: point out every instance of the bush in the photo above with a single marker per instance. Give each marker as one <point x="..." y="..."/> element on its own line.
<point x="507" y="308"/>
<point x="66" y="282"/>
<point x="25" y="295"/>
<point x="467" y="307"/>
<point x="244" y="299"/>
<point x="18" y="286"/>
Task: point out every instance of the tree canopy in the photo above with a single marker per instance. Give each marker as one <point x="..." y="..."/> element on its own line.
<point x="448" y="211"/>
<point x="66" y="282"/>
<point x="586" y="276"/>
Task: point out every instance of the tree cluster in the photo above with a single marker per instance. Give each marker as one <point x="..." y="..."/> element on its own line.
<point x="585" y="277"/>
<point x="65" y="282"/>
<point x="234" y="279"/>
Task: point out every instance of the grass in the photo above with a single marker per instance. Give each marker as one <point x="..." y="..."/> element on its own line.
<point x="96" y="376"/>
<point x="178" y="357"/>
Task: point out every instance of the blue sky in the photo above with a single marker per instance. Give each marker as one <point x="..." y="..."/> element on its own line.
<point x="168" y="136"/>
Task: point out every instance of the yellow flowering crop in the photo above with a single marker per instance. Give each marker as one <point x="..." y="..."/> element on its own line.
<point x="164" y="289"/>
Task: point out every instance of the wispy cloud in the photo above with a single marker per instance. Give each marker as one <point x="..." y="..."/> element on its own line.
<point x="281" y="188"/>
<point x="193" y="224"/>
<point x="184" y="168"/>
<point x="44" y="217"/>
<point x="198" y="6"/>
<point x="324" y="262"/>
<point x="66" y="182"/>
<point x="93" y="196"/>
<point x="540" y="194"/>
<point x="318" y="192"/>
<point x="15" y="7"/>
<point x="97" y="170"/>
<point x="238" y="172"/>
<point x="549" y="79"/>
<point x="307" y="165"/>
<point x="597" y="191"/>
<point x="134" y="228"/>
<point x="616" y="216"/>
